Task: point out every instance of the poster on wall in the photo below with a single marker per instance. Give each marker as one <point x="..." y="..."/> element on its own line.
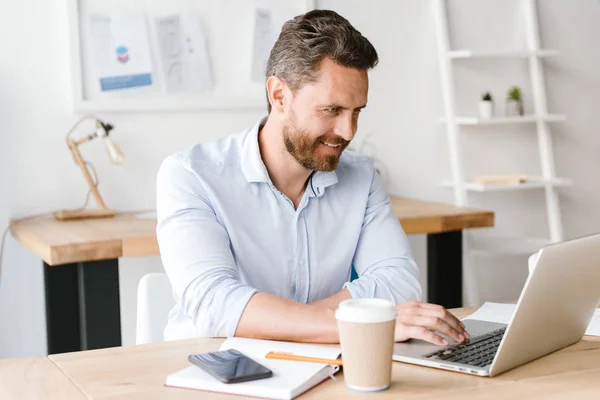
<point x="184" y="58"/>
<point x="170" y="40"/>
<point x="265" y="36"/>
<point x="120" y="51"/>
<point x="196" y="53"/>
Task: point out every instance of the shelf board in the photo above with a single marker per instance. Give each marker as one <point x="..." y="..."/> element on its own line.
<point x="463" y="54"/>
<point x="525" y="119"/>
<point x="493" y="245"/>
<point x="532" y="183"/>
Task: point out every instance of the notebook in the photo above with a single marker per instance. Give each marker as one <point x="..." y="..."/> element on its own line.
<point x="290" y="378"/>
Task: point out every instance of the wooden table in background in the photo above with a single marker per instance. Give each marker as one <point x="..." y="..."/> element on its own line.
<point x="443" y="224"/>
<point x="139" y="372"/>
<point x="81" y="273"/>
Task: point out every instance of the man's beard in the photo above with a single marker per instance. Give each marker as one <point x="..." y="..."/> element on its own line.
<point x="304" y="150"/>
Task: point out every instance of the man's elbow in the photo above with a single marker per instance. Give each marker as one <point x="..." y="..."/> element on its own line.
<point x="414" y="293"/>
<point x="401" y="287"/>
<point x="216" y="309"/>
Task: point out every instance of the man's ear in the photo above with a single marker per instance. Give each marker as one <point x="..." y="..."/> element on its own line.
<point x="276" y="92"/>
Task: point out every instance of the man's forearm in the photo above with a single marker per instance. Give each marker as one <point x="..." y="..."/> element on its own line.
<point x="275" y="318"/>
<point x="332" y="302"/>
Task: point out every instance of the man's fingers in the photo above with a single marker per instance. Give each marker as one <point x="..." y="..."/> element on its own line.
<point x="429" y="305"/>
<point x="410" y="307"/>
<point x="432" y="323"/>
<point x="433" y="310"/>
<point x="439" y="319"/>
<point x="415" y="307"/>
<point x="419" y="332"/>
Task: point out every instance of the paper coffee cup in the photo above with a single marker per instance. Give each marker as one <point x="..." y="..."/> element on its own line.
<point x="366" y="328"/>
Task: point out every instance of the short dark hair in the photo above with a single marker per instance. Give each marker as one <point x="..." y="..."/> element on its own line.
<point x="307" y="39"/>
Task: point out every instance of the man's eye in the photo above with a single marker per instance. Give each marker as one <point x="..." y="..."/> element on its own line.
<point x="356" y="112"/>
<point x="331" y="110"/>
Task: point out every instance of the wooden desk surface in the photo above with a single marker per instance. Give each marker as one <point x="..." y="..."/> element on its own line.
<point x="35" y="378"/>
<point x="418" y="216"/>
<point x="63" y="242"/>
<point x="139" y="372"/>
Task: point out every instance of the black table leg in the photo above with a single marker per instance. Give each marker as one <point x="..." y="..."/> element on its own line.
<point x="82" y="306"/>
<point x="444" y="269"/>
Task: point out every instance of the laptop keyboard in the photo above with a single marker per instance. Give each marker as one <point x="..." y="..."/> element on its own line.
<point x="477" y="352"/>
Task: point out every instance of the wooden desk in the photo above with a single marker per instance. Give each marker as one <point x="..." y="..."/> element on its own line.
<point x="35" y="378"/>
<point x="82" y="279"/>
<point x="139" y="372"/>
<point x="425" y="217"/>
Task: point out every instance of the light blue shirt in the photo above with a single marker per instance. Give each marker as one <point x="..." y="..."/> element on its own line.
<point x="225" y="233"/>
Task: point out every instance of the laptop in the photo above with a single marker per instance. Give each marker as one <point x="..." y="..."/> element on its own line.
<point x="554" y="310"/>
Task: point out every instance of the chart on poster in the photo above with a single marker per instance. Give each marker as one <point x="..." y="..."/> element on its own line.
<point x="121" y="52"/>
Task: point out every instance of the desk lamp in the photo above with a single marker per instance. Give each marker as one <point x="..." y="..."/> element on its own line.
<point x="102" y="131"/>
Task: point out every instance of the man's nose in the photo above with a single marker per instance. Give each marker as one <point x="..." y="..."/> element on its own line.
<point x="344" y="127"/>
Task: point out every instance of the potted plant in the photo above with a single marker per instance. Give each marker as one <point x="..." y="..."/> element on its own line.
<point x="514" y="102"/>
<point x="486" y="106"/>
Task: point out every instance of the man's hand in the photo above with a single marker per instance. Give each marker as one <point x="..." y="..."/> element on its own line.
<point x="421" y="320"/>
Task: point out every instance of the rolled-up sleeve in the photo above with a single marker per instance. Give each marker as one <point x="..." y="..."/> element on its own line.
<point x="195" y="251"/>
<point x="383" y="259"/>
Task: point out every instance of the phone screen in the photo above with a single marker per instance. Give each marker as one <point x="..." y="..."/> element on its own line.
<point x="230" y="366"/>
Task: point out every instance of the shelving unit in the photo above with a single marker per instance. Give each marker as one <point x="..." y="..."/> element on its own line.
<point x="540" y="118"/>
<point x="536" y="182"/>
<point x="525" y="119"/>
<point x="459" y="54"/>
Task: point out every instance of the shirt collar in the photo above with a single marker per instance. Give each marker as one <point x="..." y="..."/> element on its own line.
<point x="254" y="169"/>
<point x="319" y="181"/>
<point x="252" y="164"/>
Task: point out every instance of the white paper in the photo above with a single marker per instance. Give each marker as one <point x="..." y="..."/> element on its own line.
<point x="197" y="58"/>
<point x="121" y="51"/>
<point x="170" y="45"/>
<point x="532" y="261"/>
<point x="290" y="379"/>
<point x="259" y="348"/>
<point x="502" y="314"/>
<point x="183" y="54"/>
<point x="265" y="36"/>
<point x="494" y="312"/>
<point x="594" y="326"/>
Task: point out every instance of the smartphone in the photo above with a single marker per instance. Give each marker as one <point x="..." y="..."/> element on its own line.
<point x="230" y="366"/>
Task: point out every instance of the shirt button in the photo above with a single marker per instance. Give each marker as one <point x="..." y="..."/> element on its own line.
<point x="300" y="262"/>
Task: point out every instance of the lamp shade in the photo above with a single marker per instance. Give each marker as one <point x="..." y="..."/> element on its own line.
<point x="114" y="151"/>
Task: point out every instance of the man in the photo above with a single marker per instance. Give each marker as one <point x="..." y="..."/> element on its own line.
<point x="258" y="231"/>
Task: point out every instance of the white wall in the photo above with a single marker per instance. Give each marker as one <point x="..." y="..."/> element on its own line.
<point x="35" y="114"/>
<point x="405" y="102"/>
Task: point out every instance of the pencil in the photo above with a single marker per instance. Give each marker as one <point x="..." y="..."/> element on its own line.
<point x="291" y="357"/>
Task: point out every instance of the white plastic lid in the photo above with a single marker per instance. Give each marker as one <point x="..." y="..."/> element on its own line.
<point x="366" y="311"/>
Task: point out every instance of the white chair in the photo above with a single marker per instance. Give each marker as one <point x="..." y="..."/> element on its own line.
<point x="154" y="301"/>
